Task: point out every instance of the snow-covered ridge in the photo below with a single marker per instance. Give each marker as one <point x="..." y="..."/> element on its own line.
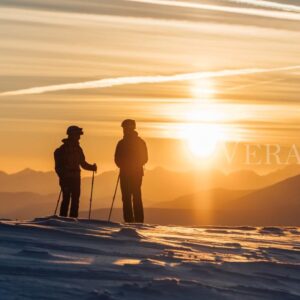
<point x="63" y="258"/>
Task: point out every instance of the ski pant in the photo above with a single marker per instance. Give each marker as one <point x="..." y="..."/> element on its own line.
<point x="133" y="211"/>
<point x="71" y="192"/>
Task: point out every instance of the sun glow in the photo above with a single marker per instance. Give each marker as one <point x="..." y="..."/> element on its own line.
<point x="202" y="139"/>
<point x="202" y="133"/>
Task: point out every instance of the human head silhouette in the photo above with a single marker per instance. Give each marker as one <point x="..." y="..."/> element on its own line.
<point x="74" y="132"/>
<point x="129" y="126"/>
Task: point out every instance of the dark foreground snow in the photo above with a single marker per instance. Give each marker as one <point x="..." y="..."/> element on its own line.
<point x="61" y="258"/>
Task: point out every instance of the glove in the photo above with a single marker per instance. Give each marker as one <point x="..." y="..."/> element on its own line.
<point x="95" y="168"/>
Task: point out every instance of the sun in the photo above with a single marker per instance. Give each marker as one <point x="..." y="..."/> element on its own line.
<point x="202" y="129"/>
<point x="202" y="139"/>
<point x="202" y="133"/>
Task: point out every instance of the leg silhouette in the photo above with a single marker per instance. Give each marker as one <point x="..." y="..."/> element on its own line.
<point x="64" y="208"/>
<point x="126" y="199"/>
<point x="137" y="201"/>
<point x="75" y="195"/>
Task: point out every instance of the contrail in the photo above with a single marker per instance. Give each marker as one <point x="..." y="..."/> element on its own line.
<point x="268" y="4"/>
<point x="284" y="15"/>
<point x="110" y="82"/>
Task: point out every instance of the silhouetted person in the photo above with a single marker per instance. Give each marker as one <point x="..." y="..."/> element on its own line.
<point x="69" y="157"/>
<point x="130" y="156"/>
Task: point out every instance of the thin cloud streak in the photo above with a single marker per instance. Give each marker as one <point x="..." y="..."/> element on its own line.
<point x="227" y="9"/>
<point x="83" y="19"/>
<point x="119" y="81"/>
<point x="268" y="4"/>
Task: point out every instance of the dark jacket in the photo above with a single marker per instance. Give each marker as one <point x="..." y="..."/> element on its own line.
<point x="131" y="155"/>
<point x="69" y="157"/>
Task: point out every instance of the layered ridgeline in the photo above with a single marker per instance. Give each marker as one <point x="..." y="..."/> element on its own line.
<point x="61" y="258"/>
<point x="199" y="198"/>
<point x="278" y="204"/>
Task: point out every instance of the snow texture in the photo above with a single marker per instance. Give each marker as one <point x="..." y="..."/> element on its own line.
<point x="64" y="258"/>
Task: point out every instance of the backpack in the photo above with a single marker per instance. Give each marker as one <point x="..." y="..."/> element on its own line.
<point x="58" y="160"/>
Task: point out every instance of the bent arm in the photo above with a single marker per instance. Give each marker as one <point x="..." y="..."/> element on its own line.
<point x="144" y="158"/>
<point x="84" y="164"/>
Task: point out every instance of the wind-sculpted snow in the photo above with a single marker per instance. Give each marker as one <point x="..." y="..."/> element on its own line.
<point x="63" y="258"/>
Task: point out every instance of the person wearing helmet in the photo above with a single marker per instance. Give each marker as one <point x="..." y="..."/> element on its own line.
<point x="69" y="157"/>
<point x="130" y="156"/>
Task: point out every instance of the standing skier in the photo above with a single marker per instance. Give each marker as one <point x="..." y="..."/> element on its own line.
<point x="69" y="157"/>
<point x="130" y="156"/>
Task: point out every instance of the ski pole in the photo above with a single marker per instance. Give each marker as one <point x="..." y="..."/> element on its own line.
<point x="91" y="198"/>
<point x="112" y="204"/>
<point x="58" y="200"/>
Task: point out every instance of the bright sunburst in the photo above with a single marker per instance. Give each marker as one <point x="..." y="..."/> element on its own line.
<point x="202" y="139"/>
<point x="202" y="134"/>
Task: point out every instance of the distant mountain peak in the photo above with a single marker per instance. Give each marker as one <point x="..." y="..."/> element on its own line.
<point x="27" y="170"/>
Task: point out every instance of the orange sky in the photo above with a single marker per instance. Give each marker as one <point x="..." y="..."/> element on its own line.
<point x="224" y="66"/>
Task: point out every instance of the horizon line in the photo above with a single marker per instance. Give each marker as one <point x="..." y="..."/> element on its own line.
<point x="27" y="169"/>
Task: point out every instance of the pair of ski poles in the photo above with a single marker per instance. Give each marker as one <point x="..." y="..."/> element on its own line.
<point x="91" y="198"/>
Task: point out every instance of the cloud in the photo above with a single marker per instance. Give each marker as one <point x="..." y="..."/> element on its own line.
<point x="111" y="82"/>
<point x="227" y="9"/>
<point x="88" y="20"/>
<point x="82" y="19"/>
<point x="268" y="4"/>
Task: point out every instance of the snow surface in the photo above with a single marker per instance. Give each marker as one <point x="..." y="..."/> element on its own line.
<point x="64" y="258"/>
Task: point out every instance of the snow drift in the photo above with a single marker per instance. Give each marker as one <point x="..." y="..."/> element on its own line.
<point x="63" y="258"/>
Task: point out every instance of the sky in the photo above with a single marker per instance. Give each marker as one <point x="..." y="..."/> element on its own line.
<point x="191" y="73"/>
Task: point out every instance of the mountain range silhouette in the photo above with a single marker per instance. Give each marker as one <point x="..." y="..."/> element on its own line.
<point x="189" y="198"/>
